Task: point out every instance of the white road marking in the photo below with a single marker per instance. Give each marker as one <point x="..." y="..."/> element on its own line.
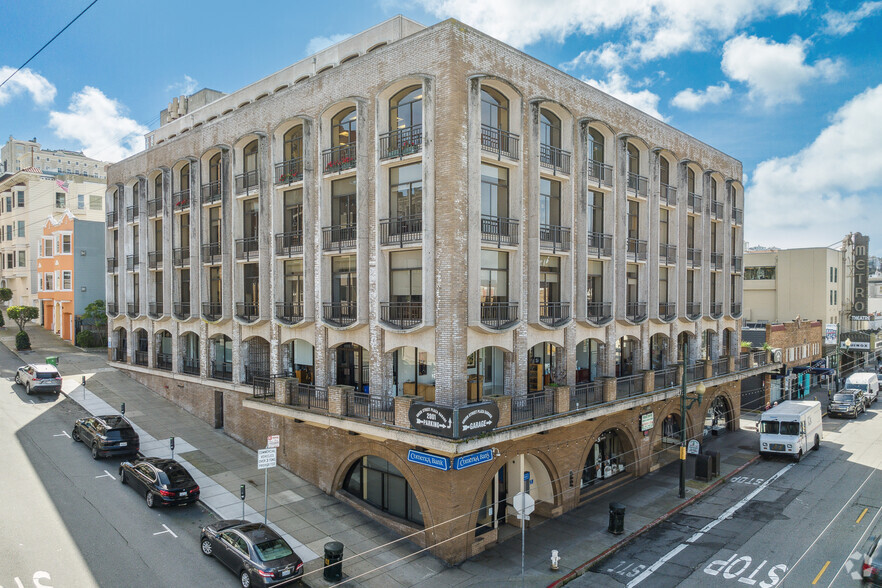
<point x="31" y="401"/>
<point x="167" y="530"/>
<point x="106" y="475"/>
<point x="727" y="514"/>
<point x="62" y="434"/>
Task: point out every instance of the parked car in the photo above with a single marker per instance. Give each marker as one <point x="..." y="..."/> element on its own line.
<point x="253" y="551"/>
<point x="871" y="570"/>
<point x="160" y="481"/>
<point x="847" y="403"/>
<point x="867" y="382"/>
<point x="107" y="435"/>
<point x="38" y="377"/>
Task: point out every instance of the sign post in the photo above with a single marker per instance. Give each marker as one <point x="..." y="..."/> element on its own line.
<point x="266" y="459"/>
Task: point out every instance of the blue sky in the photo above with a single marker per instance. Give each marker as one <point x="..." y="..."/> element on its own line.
<point x="792" y="88"/>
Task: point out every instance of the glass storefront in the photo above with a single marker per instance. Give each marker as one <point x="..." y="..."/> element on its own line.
<point x="606" y="458"/>
<point x="380" y="484"/>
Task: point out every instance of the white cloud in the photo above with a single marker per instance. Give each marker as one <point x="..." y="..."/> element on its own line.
<point x="316" y="44"/>
<point x="830" y="188"/>
<point x="774" y="72"/>
<point x="97" y="123"/>
<point x="618" y="85"/>
<point x="183" y="88"/>
<point x="690" y="99"/>
<point x="842" y="23"/>
<point x="41" y="90"/>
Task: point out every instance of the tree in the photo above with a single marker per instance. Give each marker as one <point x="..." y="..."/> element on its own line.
<point x="22" y="315"/>
<point x="5" y="295"/>
<point x="96" y="314"/>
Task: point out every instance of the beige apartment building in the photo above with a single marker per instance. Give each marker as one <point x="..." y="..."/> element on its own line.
<point x="17" y="155"/>
<point x="435" y="266"/>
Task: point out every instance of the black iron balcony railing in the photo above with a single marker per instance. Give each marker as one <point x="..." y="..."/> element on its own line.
<point x="112" y="308"/>
<point x="212" y="192"/>
<point x="154" y="259"/>
<point x="112" y="265"/>
<point x="181" y="200"/>
<point x="308" y="396"/>
<point x="132" y="213"/>
<point x="154" y="309"/>
<point x="247" y="248"/>
<point x="716" y="309"/>
<point x="693" y="202"/>
<point x="190" y="365"/>
<point x="339" y="237"/>
<point x="499" y="315"/>
<point x="211" y="252"/>
<point x="500" y="142"/>
<point x="696" y="372"/>
<point x="132" y="262"/>
<point x="736" y="263"/>
<point x="693" y="310"/>
<point x="531" y="407"/>
<point x="290" y="243"/>
<point x="554" y="314"/>
<point x="499" y="230"/>
<point x="402" y="315"/>
<point x="154" y="207"/>
<point x="585" y="394"/>
<point x="635" y="311"/>
<point x="371" y="408"/>
<point x="668" y="195"/>
<point x="247" y="181"/>
<point x="599" y="312"/>
<point x="720" y="366"/>
<point x="735" y="309"/>
<point x="181" y="256"/>
<point x="554" y="237"/>
<point x="112" y="218"/>
<point x="600" y="172"/>
<point x="247" y="311"/>
<point x="638" y="184"/>
<point x="164" y="361"/>
<point x="221" y="370"/>
<point x="133" y="309"/>
<point x="141" y="357"/>
<point x="181" y="310"/>
<point x="554" y="158"/>
<point x="212" y="311"/>
<point x="636" y="249"/>
<point x="401" y="142"/>
<point x="716" y="210"/>
<point x="599" y="244"/>
<point x="716" y="260"/>
<point x="402" y="230"/>
<point x="737" y="216"/>
<point x="337" y="159"/>
<point x="666" y="378"/>
<point x="289" y="312"/>
<point x="667" y="254"/>
<point x="340" y="314"/>
<point x="289" y="171"/>
<point x="667" y="310"/>
<point x="630" y="385"/>
<point x="693" y="257"/>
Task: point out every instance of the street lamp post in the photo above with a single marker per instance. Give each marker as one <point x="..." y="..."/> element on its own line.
<point x="683" y="408"/>
<point x="847" y="343"/>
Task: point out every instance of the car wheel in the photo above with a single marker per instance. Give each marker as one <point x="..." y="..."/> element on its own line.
<point x="94" y="451"/>
<point x="799" y="456"/>
<point x="245" y="578"/>
<point x="150" y="500"/>
<point x="206" y="547"/>
<point x="817" y="442"/>
<point x="28" y="389"/>
<point x="75" y="435"/>
<point x="17" y="379"/>
<point x="122" y="476"/>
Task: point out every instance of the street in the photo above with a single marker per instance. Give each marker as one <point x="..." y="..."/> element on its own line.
<point x="776" y="523"/>
<point x="67" y="519"/>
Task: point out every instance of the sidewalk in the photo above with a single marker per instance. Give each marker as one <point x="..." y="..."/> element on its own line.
<point x="310" y="518"/>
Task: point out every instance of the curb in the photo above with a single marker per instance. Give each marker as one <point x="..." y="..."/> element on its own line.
<point x="610" y="550"/>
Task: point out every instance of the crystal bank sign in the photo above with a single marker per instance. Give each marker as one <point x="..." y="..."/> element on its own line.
<point x="454" y="423"/>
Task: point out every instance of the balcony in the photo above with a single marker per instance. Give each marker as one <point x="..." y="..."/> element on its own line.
<point x="666" y="378"/>
<point x="340" y="314"/>
<point x="164" y="361"/>
<point x="154" y="207"/>
<point x="499" y="315"/>
<point x="338" y="159"/>
<point x="554" y="314"/>
<point x="735" y="310"/>
<point x="112" y="308"/>
<point x="247" y="249"/>
<point x="693" y="202"/>
<point x="181" y="257"/>
<point x="401" y="142"/>
<point x="141" y="358"/>
<point x="667" y="254"/>
<point x="289" y="171"/>
<point x="112" y="265"/>
<point x="668" y="195"/>
<point x="635" y="311"/>
<point x="554" y="237"/>
<point x="554" y="158"/>
<point x="132" y="213"/>
<point x="339" y="237"/>
<point x="693" y="257"/>
<point x="737" y="216"/>
<point x="667" y="310"/>
<point x="181" y="200"/>
<point x="289" y="312"/>
<point x="154" y="259"/>
<point x="716" y="210"/>
<point x="499" y="230"/>
<point x="371" y="408"/>
<point x="181" y="310"/>
<point x="401" y="231"/>
<point x="599" y="312"/>
<point x="247" y="311"/>
<point x="401" y="315"/>
<point x="500" y="142"/>
<point x="112" y="218"/>
<point x="190" y="365"/>
<point x="221" y="370"/>
<point x="599" y="244"/>
<point x="600" y="172"/>
<point x="716" y="309"/>
<point x="154" y="309"/>
<point x="306" y="396"/>
<point x="628" y="386"/>
<point x="693" y="310"/>
<point x="585" y="394"/>
<point x="736" y="263"/>
<point x="133" y="309"/>
<point x="212" y="192"/>
<point x="638" y="184"/>
<point x="636" y="249"/>
<point x="716" y="260"/>
<point x="531" y="407"/>
<point x="211" y="253"/>
<point x="290" y="243"/>
<point x="246" y="182"/>
<point x="212" y="311"/>
<point x="132" y="262"/>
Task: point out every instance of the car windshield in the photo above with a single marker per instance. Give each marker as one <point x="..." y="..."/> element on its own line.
<point x="844" y="398"/>
<point x="46" y="375"/>
<point x="789" y="428"/>
<point x="857" y="386"/>
<point x="273" y="549"/>
<point x="769" y="427"/>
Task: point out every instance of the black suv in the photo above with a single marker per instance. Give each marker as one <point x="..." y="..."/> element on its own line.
<point x="849" y="402"/>
<point x="107" y="435"/>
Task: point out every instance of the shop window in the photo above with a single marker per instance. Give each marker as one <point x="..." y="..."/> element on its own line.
<point x="380" y="484"/>
<point x="606" y="459"/>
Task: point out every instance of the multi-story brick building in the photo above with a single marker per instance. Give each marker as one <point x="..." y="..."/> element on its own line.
<point x="419" y="235"/>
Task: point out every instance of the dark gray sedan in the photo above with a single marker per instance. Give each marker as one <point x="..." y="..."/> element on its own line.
<point x="253" y="551"/>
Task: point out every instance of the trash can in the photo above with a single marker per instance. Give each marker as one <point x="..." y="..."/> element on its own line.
<point x="616" y="518"/>
<point x="333" y="561"/>
<point x="714" y="462"/>
<point x="52" y="360"/>
<point x="702" y="467"/>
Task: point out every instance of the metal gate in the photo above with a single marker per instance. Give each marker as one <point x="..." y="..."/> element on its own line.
<point x="258" y="365"/>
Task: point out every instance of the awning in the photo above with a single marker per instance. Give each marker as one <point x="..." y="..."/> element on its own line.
<point x="818" y="371"/>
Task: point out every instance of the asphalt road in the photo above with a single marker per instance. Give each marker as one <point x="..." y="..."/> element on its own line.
<point x="67" y="520"/>
<point x="777" y="523"/>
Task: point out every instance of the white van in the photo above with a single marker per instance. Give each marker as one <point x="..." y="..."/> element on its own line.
<point x="866" y="381"/>
<point x="791" y="428"/>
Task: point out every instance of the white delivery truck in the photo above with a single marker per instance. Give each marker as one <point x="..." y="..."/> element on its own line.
<point x="866" y="381"/>
<point x="791" y="428"/>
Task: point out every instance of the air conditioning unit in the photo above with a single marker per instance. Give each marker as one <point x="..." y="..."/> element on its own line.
<point x="777" y="355"/>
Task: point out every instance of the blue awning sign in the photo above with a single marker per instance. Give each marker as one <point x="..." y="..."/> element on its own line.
<point x="466" y="461"/>
<point x="438" y="462"/>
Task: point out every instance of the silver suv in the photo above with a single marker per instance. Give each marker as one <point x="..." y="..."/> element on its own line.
<point x="40" y="377"/>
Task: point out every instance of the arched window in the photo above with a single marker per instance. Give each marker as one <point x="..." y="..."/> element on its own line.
<point x="157" y="187"/>
<point x="184" y="178"/>
<point x="664" y="171"/>
<point x="250" y="157"/>
<point x="380" y="484"/>
<point x="221" y="354"/>
<point x="293" y="143"/>
<point x="690" y="180"/>
<point x="343" y="127"/>
<point x="406" y="108"/>
<point x="549" y="128"/>
<point x="214" y="168"/>
<point x="596" y="145"/>
<point x="633" y="159"/>
<point x="494" y="109"/>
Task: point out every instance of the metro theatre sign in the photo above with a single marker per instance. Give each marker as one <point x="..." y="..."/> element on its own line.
<point x="859" y="309"/>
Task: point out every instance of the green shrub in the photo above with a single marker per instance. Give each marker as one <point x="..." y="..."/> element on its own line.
<point x="85" y="339"/>
<point x="22" y="341"/>
<point x="2" y="320"/>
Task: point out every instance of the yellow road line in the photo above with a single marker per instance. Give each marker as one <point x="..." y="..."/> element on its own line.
<point x="821" y="573"/>
<point x="862" y="515"/>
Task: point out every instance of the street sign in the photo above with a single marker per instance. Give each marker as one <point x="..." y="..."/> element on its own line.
<point x="466" y="461"/>
<point x="524" y="504"/>
<point x="266" y="458"/>
<point x="439" y="462"/>
<point x="647" y="421"/>
<point x="272" y="441"/>
<point x="693" y="447"/>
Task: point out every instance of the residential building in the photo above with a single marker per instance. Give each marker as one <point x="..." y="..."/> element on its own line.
<point x="17" y="155"/>
<point x="70" y="271"/>
<point x="27" y="199"/>
<point x="421" y="244"/>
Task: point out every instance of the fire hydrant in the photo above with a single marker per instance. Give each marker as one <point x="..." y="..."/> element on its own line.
<point x="555" y="560"/>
